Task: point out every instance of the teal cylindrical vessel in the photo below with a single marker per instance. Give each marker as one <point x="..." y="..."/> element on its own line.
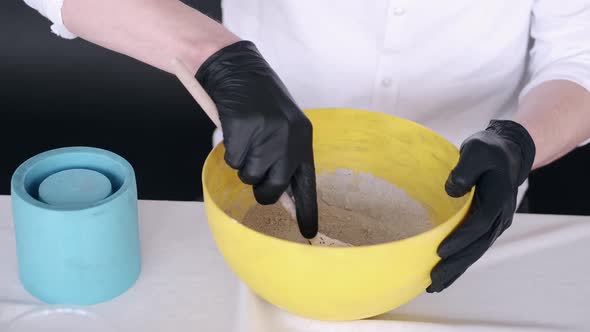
<point x="84" y="251"/>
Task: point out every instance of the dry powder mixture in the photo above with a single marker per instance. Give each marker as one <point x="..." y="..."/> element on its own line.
<point x="357" y="208"/>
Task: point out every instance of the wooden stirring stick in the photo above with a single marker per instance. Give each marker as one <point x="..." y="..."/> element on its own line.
<point x="320" y="239"/>
<point x="202" y="98"/>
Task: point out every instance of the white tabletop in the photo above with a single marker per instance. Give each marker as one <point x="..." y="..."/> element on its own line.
<point x="534" y="278"/>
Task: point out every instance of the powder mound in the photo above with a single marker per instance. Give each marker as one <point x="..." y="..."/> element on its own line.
<point x="356" y="208"/>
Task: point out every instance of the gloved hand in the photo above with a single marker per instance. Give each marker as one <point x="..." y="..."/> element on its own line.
<point x="267" y="137"/>
<point x="496" y="160"/>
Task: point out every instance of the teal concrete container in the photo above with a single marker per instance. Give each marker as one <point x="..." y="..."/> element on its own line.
<point x="77" y="242"/>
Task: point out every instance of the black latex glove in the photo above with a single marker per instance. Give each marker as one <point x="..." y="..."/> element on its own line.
<point x="496" y="160"/>
<point x="267" y="137"/>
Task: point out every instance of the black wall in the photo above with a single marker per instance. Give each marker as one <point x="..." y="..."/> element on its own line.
<point x="56" y="92"/>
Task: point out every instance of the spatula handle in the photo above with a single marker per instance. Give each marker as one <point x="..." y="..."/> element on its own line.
<point x="196" y="90"/>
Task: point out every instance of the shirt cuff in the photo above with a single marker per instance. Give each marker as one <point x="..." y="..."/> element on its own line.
<point x="52" y="10"/>
<point x="578" y="73"/>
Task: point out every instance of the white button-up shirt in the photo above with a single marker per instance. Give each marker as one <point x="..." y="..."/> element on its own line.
<point x="451" y="65"/>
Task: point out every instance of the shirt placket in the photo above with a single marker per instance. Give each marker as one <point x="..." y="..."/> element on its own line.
<point x="390" y="62"/>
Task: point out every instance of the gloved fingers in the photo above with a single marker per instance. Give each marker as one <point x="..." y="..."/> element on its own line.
<point x="451" y="268"/>
<point x="439" y="288"/>
<point x="303" y="185"/>
<point x="478" y="224"/>
<point x="263" y="153"/>
<point x="237" y="140"/>
<point x="483" y="217"/>
<point x="276" y="181"/>
<point x="507" y="222"/>
<point x="254" y="170"/>
<point x="504" y="222"/>
<point x="472" y="164"/>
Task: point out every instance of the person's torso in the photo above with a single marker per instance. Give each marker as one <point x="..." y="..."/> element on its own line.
<point x="450" y="65"/>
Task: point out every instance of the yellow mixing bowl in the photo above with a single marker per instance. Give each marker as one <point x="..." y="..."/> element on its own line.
<point x="342" y="283"/>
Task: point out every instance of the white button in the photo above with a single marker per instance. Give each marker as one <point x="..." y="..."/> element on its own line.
<point x="386" y="82"/>
<point x="398" y="11"/>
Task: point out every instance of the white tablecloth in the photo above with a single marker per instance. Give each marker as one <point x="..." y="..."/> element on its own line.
<point x="534" y="279"/>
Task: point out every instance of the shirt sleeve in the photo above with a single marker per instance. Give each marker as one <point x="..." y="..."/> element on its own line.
<point x="560" y="31"/>
<point x="51" y="9"/>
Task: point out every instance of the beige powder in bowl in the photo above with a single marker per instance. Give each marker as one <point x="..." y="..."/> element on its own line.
<point x="356" y="208"/>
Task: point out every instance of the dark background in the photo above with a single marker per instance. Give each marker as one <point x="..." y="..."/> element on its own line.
<point x="56" y="92"/>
